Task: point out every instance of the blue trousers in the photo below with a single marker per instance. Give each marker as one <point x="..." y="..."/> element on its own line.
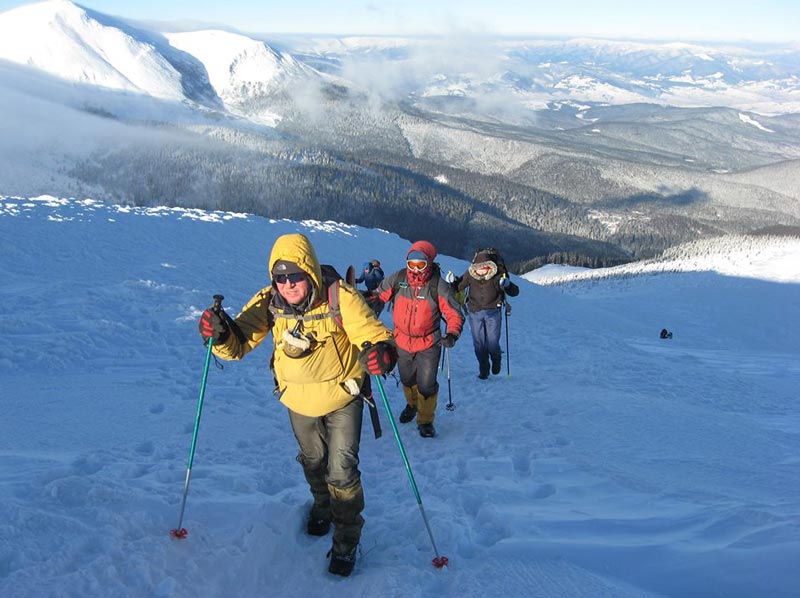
<point x="485" y="326"/>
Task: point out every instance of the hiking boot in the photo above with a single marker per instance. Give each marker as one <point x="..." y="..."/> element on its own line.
<point x="342" y="564"/>
<point x="318" y="527"/>
<point x="426" y="430"/>
<point x="407" y="414"/>
<point x="483" y="370"/>
<point x="496" y="365"/>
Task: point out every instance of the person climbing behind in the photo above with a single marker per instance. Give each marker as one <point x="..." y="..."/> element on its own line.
<point x="371" y="275"/>
<point x="422" y="299"/>
<point x="487" y="283"/>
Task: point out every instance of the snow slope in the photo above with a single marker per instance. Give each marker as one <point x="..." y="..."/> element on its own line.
<point x="609" y="463"/>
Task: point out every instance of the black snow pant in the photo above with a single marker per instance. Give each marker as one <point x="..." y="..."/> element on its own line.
<point x="420" y="369"/>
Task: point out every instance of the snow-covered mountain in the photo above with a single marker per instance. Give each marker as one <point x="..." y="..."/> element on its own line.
<point x="613" y="148"/>
<point x="609" y="463"/>
<point x="533" y="74"/>
<point x="76" y="44"/>
<point x="238" y="66"/>
<point x="242" y="70"/>
<point x="763" y="79"/>
<point x="84" y="46"/>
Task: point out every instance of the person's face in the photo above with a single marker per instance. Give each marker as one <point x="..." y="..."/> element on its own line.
<point x="293" y="287"/>
<point x="483" y="270"/>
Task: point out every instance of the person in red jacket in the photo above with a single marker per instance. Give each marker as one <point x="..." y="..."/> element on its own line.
<point x="421" y="299"/>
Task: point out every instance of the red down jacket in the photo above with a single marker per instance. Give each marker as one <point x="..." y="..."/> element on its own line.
<point x="421" y="300"/>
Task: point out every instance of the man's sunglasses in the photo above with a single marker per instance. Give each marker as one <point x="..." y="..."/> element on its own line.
<point x="294" y="278"/>
<point x="418" y="265"/>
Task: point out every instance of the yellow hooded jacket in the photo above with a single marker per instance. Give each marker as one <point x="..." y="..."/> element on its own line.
<point x="311" y="385"/>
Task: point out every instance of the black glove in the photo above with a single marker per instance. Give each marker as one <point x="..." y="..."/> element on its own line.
<point x="214" y="325"/>
<point x="379" y="358"/>
<point x="448" y="340"/>
<point x="454" y="284"/>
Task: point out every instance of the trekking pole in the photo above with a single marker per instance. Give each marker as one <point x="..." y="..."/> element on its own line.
<point x="450" y="405"/>
<point x="508" y="354"/>
<point x="438" y="561"/>
<point x="441" y="366"/>
<point x="179" y="532"/>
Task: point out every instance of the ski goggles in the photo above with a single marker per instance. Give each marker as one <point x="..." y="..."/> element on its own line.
<point x="294" y="278"/>
<point x="418" y="265"/>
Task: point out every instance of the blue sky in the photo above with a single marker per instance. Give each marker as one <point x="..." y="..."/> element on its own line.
<point x="772" y="20"/>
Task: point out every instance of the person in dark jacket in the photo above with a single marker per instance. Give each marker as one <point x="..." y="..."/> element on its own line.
<point x="487" y="283"/>
<point x="421" y="299"/>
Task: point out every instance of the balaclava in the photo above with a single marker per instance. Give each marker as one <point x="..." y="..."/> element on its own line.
<point x="420" y="250"/>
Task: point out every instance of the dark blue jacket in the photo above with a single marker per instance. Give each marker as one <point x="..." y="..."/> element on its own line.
<point x="371" y="276"/>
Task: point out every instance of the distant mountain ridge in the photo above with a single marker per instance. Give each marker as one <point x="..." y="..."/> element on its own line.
<point x="766" y="257"/>
<point x="590" y="151"/>
<point x="80" y="44"/>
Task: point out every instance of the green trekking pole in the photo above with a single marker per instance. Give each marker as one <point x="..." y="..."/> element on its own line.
<point x="438" y="561"/>
<point x="179" y="532"/>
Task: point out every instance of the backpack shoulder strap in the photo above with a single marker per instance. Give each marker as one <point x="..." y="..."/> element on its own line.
<point x="435" y="278"/>
<point x="333" y="303"/>
<point x="331" y="279"/>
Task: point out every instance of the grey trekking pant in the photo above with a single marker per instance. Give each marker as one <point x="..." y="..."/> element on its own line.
<point x="329" y="455"/>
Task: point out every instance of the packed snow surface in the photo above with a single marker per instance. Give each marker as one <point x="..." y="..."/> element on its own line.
<point x="608" y="463"/>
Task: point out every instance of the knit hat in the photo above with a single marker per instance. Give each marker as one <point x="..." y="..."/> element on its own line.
<point x="285" y="267"/>
<point x="422" y="250"/>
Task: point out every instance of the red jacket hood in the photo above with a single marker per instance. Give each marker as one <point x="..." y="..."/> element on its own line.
<point x="425" y="247"/>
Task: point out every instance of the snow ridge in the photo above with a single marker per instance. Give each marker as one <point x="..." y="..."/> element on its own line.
<point x="773" y="258"/>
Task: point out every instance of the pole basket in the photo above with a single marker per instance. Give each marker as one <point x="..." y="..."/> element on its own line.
<point x="440" y="561"/>
<point x="180" y="534"/>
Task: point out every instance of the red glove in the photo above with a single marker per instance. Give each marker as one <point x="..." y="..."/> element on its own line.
<point x="379" y="358"/>
<point x="211" y="325"/>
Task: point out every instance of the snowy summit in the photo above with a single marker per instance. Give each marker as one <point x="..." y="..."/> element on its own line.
<point x="66" y="40"/>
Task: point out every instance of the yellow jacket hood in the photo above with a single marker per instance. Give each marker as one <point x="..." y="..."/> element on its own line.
<point x="296" y="248"/>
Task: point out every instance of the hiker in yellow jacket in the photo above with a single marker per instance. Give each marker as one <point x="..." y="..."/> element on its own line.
<point x="319" y="368"/>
